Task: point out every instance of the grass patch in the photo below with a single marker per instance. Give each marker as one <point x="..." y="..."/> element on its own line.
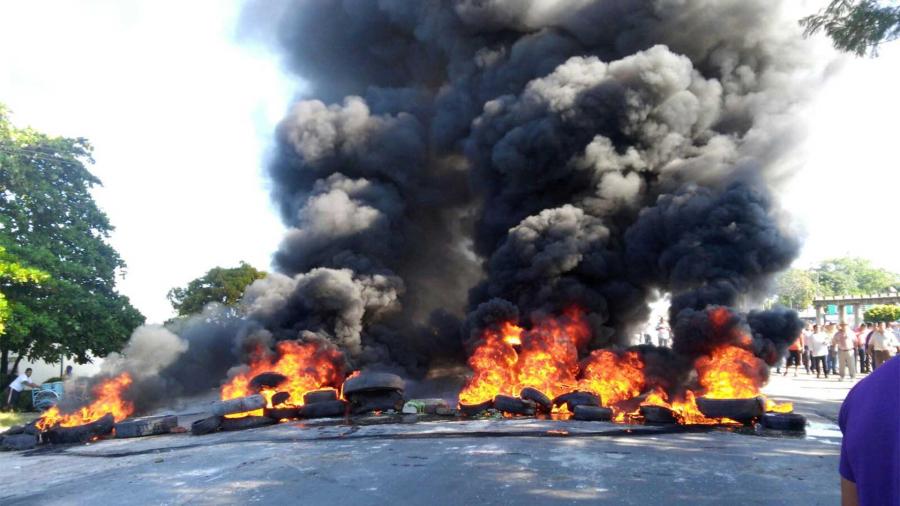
<point x="7" y="420"/>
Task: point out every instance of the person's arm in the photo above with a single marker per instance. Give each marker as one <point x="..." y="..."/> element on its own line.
<point x="848" y="493"/>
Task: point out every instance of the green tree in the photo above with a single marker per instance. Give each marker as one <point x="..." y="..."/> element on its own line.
<point x="220" y="284"/>
<point x="12" y="272"/>
<point x="49" y="221"/>
<point x="796" y="289"/>
<point x="856" y="26"/>
<point x="853" y="276"/>
<point x="886" y="313"/>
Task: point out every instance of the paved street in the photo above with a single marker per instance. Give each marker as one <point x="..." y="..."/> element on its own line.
<point x="441" y="462"/>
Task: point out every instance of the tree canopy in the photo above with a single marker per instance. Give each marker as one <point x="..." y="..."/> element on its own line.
<point x="856" y="26"/>
<point x="12" y="272"/>
<point x="797" y="288"/>
<point x="222" y="285"/>
<point x="49" y="221"/>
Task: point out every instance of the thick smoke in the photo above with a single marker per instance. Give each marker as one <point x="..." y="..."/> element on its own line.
<point x="455" y="162"/>
<point x="536" y="153"/>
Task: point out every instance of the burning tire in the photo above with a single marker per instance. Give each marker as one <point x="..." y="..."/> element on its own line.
<point x="474" y="409"/>
<point x="514" y="405"/>
<point x="742" y="410"/>
<point x="327" y="409"/>
<point x="206" y="425"/>
<point x="578" y="398"/>
<point x="280" y="398"/>
<point x="657" y="415"/>
<point x="592" y="413"/>
<point x="81" y="433"/>
<point x="18" y="442"/>
<point x="239" y="405"/>
<point x="282" y="413"/>
<point x="784" y="421"/>
<point x="247" y="422"/>
<point x="149" y="426"/>
<point x="267" y="380"/>
<point x="543" y="403"/>
<point x="317" y="396"/>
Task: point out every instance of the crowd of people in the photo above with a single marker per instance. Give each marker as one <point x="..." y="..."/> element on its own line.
<point x="837" y="350"/>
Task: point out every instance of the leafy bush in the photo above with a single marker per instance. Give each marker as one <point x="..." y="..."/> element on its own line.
<point x="883" y="313"/>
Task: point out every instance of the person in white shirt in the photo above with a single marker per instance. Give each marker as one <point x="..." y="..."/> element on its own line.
<point x="662" y="332"/>
<point x="883" y="345"/>
<point x="844" y="341"/>
<point x="818" y="347"/>
<point x="16" y="387"/>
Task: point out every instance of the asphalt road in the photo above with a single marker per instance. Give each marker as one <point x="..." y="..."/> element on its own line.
<point x="441" y="462"/>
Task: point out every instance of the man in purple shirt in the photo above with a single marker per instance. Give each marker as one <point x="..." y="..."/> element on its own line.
<point x="870" y="451"/>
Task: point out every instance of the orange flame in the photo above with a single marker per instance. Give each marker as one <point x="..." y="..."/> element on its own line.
<point x="307" y="367"/>
<point x="614" y="377"/>
<point x="547" y="358"/>
<point x="108" y="399"/>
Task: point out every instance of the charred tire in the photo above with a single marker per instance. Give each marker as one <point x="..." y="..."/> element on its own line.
<point x="18" y="442"/>
<point x="149" y="426"/>
<point x="742" y="410"/>
<point x="282" y="413"/>
<point x="514" y="405"/>
<point x="267" y="380"/>
<point x="280" y="398"/>
<point x="592" y="413"/>
<point x="657" y="415"/>
<point x="327" y="409"/>
<point x="316" y="396"/>
<point x="784" y="421"/>
<point x="82" y="433"/>
<point x="373" y="381"/>
<point x="15" y="429"/>
<point x="543" y="403"/>
<point x="578" y="398"/>
<point x="206" y="425"/>
<point x="474" y="409"/>
<point x="247" y="422"/>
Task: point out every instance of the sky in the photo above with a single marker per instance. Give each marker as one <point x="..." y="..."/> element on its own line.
<point x="181" y="113"/>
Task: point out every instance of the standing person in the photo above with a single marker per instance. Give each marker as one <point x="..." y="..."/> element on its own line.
<point x="16" y="387"/>
<point x="861" y="354"/>
<point x="663" y="333"/>
<point x="818" y="347"/>
<point x="68" y="374"/>
<point x="882" y="345"/>
<point x="831" y="357"/>
<point x="794" y="355"/>
<point x="870" y="421"/>
<point x="807" y="356"/>
<point x="844" y="341"/>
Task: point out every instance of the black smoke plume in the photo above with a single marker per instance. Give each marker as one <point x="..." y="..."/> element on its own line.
<point x="517" y="157"/>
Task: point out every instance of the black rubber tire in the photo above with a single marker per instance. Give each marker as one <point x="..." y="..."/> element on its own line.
<point x="657" y="415"/>
<point x="544" y="403"/>
<point x="577" y="398"/>
<point x="592" y="413"/>
<point x="206" y="425"/>
<point x="474" y="409"/>
<point x="19" y="442"/>
<point x="514" y="405"/>
<point x="373" y="381"/>
<point x="247" y="422"/>
<point x="281" y="413"/>
<point x="784" y="421"/>
<point x="148" y="426"/>
<point x="324" y="395"/>
<point x="82" y="433"/>
<point x="267" y="380"/>
<point x="15" y="429"/>
<point x="742" y="410"/>
<point x="280" y="398"/>
<point x="328" y="409"/>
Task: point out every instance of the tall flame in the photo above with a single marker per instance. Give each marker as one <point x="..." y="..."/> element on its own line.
<point x="107" y="399"/>
<point x="307" y="367"/>
<point x="547" y="358"/>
